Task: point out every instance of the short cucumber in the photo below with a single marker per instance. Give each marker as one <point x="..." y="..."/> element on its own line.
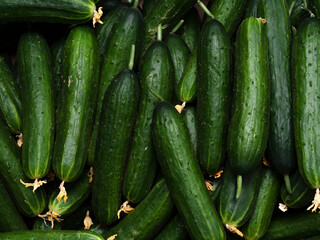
<point x="146" y="220"/>
<point x="35" y="72"/>
<point x="52" y="235"/>
<point x="183" y="174"/>
<point x="174" y="230"/>
<point x="213" y="95"/>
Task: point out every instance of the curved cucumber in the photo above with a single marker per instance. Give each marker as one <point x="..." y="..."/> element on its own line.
<point x="183" y="174"/>
<point x="117" y="119"/>
<point x="174" y="230"/>
<point x="35" y="72"/>
<point x="213" y="95"/>
<point x="76" y="104"/>
<point x="52" y="235"/>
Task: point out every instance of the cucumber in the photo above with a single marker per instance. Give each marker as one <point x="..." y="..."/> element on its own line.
<point x="267" y="198"/>
<point x="125" y="33"/>
<point x="249" y="125"/>
<point x="156" y="77"/>
<point x="52" y="235"/>
<point x="280" y="147"/>
<point x="213" y="95"/>
<point x="117" y="119"/>
<point x="189" y="116"/>
<point x="35" y="73"/>
<point x="11" y="172"/>
<point x="10" y="106"/>
<point x="57" y="53"/>
<point x="57" y="11"/>
<point x="41" y="225"/>
<point x="183" y="175"/>
<point x="148" y="217"/>
<point x="76" y="103"/>
<point x="174" y="230"/>
<point x="300" y="196"/>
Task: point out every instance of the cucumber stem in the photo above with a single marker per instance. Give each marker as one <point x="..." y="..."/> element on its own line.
<point x="136" y="3"/>
<point x="239" y="186"/>
<point x="159" y="33"/>
<point x="287" y="183"/>
<point x="305" y="6"/>
<point x="131" y="61"/>
<point x="205" y="9"/>
<point x="177" y="26"/>
<point x="96" y="17"/>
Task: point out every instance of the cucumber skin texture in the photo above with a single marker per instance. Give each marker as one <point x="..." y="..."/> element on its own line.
<point x="280" y="147"/>
<point x="306" y="82"/>
<point x="142" y="163"/>
<point x="52" y="235"/>
<point x="252" y="9"/>
<point x="249" y="125"/>
<point x="267" y="198"/>
<point x="40" y="225"/>
<point x="189" y="115"/>
<point x="126" y="32"/>
<point x="183" y="174"/>
<point x="35" y="72"/>
<point x="236" y="212"/>
<point x="117" y="119"/>
<point x="174" y="230"/>
<point x="76" y="103"/>
<point x="213" y="95"/>
<point x="301" y="195"/>
<point x="61" y="11"/>
<point x="148" y="217"/>
<point x="10" y="99"/>
<point x="28" y="203"/>
<point x="11" y="219"/>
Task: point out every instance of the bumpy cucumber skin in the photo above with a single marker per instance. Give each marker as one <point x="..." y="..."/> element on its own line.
<point x="57" y="11"/>
<point x="125" y="33"/>
<point x="189" y="115"/>
<point x="213" y="95"/>
<point x="118" y="115"/>
<point x="52" y="235"/>
<point x="35" y="72"/>
<point x="148" y="217"/>
<point x="183" y="174"/>
<point x="174" y="230"/>
<point x="306" y="85"/>
<point x="249" y="125"/>
<point x="28" y="203"/>
<point x="267" y="198"/>
<point x="76" y="104"/>
<point x="10" y="98"/>
<point x="156" y="76"/>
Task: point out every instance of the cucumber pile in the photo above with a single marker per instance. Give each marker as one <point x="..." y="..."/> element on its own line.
<point x="159" y="119"/>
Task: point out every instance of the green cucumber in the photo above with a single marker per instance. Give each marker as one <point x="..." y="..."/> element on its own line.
<point x="249" y="125"/>
<point x="189" y="116"/>
<point x="10" y="220"/>
<point x="252" y="9"/>
<point x="126" y="32"/>
<point x="146" y="220"/>
<point x="280" y="147"/>
<point x="35" y="72"/>
<point x="52" y="235"/>
<point x="57" y="53"/>
<point x="213" y="95"/>
<point x="11" y="172"/>
<point x="267" y="198"/>
<point x="174" y="230"/>
<point x="10" y="106"/>
<point x="156" y="77"/>
<point x="76" y="103"/>
<point x="183" y="174"/>
<point x="117" y="119"/>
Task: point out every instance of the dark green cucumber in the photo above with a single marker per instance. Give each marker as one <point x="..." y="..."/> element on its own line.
<point x="52" y="235"/>
<point x="252" y="9"/>
<point x="10" y="99"/>
<point x="156" y="77"/>
<point x="125" y="33"/>
<point x="306" y="99"/>
<point x="174" y="230"/>
<point x="57" y="53"/>
<point x="189" y="116"/>
<point x="267" y="198"/>
<point x="280" y="147"/>
<point x="57" y="11"/>
<point x="293" y="226"/>
<point x="35" y="72"/>
<point x="28" y="203"/>
<point x="41" y="225"/>
<point x="117" y="119"/>
<point x="301" y="195"/>
<point x="249" y="125"/>
<point x="213" y="95"/>
<point x="148" y="217"/>
<point x="76" y="103"/>
<point x="229" y="13"/>
<point x="183" y="174"/>
<point x="11" y="219"/>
